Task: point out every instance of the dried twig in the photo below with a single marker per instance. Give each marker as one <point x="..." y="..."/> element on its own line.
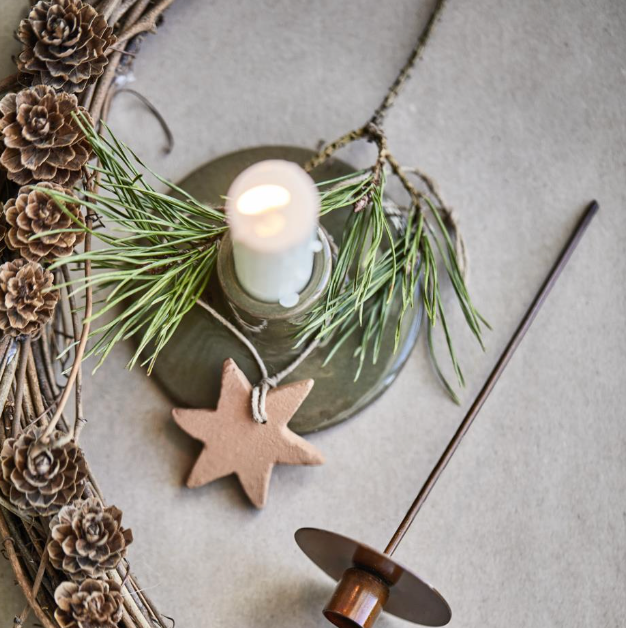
<point x="20" y="385"/>
<point x="121" y="10"/>
<point x="21" y="577"/>
<point x="137" y="11"/>
<point x="8" y="83"/>
<point x="33" y="384"/>
<point x="104" y="84"/>
<point x="146" y="24"/>
<point x="76" y="331"/>
<point x="7" y="376"/>
<point x="108" y="7"/>
<point x="405" y="71"/>
<point x="36" y="385"/>
<point x="36" y="585"/>
<point x="80" y="349"/>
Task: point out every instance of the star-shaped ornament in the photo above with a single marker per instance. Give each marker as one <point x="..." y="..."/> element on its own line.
<point x="235" y="443"/>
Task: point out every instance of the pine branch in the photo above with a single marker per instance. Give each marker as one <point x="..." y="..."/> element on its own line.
<point x="161" y="250"/>
<point x="159" y="256"/>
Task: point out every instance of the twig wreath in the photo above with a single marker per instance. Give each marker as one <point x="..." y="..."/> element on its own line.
<point x="63" y="173"/>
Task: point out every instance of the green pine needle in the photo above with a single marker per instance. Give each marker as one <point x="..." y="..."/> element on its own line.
<point x="160" y="252"/>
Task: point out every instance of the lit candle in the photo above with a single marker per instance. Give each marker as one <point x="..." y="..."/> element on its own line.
<point x="273" y="210"/>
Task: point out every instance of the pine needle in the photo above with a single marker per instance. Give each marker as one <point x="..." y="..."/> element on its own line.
<point x="160" y="252"/>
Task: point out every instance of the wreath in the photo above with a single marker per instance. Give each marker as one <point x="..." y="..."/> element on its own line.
<point x="63" y="174"/>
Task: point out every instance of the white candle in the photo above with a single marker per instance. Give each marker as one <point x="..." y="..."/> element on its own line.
<point x="273" y="209"/>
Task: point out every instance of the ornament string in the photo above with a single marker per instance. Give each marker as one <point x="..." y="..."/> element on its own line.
<point x="373" y="132"/>
<point x="259" y="392"/>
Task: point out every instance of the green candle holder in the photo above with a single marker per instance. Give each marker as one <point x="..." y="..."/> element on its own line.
<point x="189" y="367"/>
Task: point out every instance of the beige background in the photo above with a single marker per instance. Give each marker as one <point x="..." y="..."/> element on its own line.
<point x="518" y="111"/>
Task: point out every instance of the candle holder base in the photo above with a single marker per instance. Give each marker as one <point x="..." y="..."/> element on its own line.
<point x="370" y="582"/>
<point x="190" y="365"/>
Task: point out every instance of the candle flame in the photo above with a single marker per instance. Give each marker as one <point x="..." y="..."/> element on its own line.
<point x="263" y="198"/>
<point x="271" y="225"/>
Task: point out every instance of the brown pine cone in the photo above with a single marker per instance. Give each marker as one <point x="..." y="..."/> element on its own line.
<point x="65" y="42"/>
<point x="38" y="478"/>
<point x="88" y="540"/>
<point x="92" y="604"/>
<point x="42" y="141"/>
<point x="26" y="299"/>
<point x="34" y="212"/>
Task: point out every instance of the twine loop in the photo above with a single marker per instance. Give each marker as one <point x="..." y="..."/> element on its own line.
<point x="259" y="398"/>
<point x="259" y="392"/>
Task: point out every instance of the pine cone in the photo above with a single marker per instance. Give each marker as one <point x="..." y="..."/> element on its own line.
<point x="34" y="212"/>
<point x="92" y="604"/>
<point x="65" y="42"/>
<point x="26" y="300"/>
<point x="42" y="141"/>
<point x="40" y="479"/>
<point x="88" y="540"/>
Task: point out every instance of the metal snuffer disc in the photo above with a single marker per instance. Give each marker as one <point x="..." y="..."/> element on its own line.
<point x="409" y="597"/>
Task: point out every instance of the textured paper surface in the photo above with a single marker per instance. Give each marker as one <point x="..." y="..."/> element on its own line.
<point x="518" y="111"/>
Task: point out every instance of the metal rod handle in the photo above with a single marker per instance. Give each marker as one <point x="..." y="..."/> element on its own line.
<point x="507" y="354"/>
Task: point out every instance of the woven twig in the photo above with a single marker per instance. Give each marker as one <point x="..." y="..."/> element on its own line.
<point x="30" y="391"/>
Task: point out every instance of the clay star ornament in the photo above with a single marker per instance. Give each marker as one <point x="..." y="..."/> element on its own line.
<point x="235" y="443"/>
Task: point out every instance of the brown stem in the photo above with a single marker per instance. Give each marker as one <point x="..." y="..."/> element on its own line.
<point x="87" y="96"/>
<point x="405" y="72"/>
<point x="27" y="405"/>
<point x="20" y="385"/>
<point x="39" y="540"/>
<point x="76" y="333"/>
<point x="36" y="585"/>
<point x="449" y="218"/>
<point x="378" y="117"/>
<point x="8" y="83"/>
<point x="135" y="594"/>
<point x="13" y="510"/>
<point x="42" y="375"/>
<point x="134" y="25"/>
<point x="397" y="169"/>
<point x="136" y="13"/>
<point x="82" y="345"/>
<point x="7" y="416"/>
<point x="330" y="149"/>
<point x="47" y="360"/>
<point x="148" y="602"/>
<point x="79" y="423"/>
<point x="46" y="364"/>
<point x="106" y="105"/>
<point x="122" y="9"/>
<point x="66" y="322"/>
<point x="107" y="8"/>
<point x="8" y="346"/>
<point x="4" y="345"/>
<point x="7" y="377"/>
<point x="21" y="577"/>
<point x="104" y="84"/>
<point x="33" y="384"/>
<point x="146" y="24"/>
<point x="28" y="553"/>
<point x="55" y="339"/>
